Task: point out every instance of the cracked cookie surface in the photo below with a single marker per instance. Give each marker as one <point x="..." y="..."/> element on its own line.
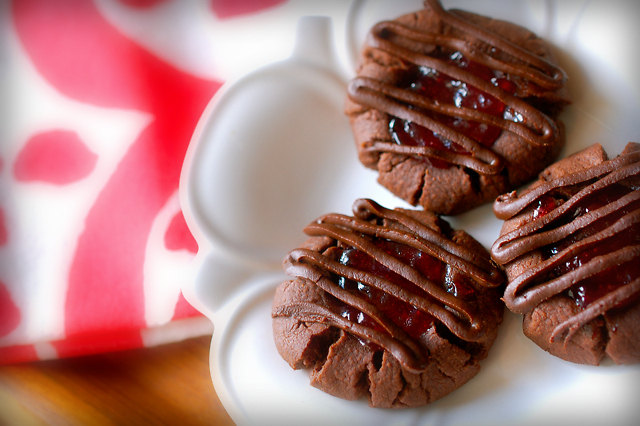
<point x="453" y="109"/>
<point x="389" y="305"/>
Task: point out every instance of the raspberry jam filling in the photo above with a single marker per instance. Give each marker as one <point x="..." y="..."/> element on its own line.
<point x="591" y="289"/>
<point x="406" y="316"/>
<point x="446" y="90"/>
<point x="599" y="285"/>
<point x="544" y="206"/>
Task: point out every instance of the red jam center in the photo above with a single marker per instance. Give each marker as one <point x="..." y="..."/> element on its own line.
<point x="406" y="316"/>
<point x="591" y="289"/>
<point x="599" y="285"/>
<point x="446" y="90"/>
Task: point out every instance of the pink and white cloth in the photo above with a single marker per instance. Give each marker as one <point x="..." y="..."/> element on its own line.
<point x="100" y="99"/>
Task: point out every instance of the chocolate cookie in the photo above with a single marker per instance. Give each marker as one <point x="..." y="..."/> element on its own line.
<point x="570" y="246"/>
<point x="389" y="304"/>
<point x="453" y="108"/>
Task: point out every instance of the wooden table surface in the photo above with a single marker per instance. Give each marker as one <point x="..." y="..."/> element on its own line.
<point x="169" y="384"/>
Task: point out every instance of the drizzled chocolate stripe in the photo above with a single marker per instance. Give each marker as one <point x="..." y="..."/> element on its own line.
<point x="468" y="331"/>
<point x="508" y="205"/>
<point x="478" y="268"/>
<point x="539" y="70"/>
<point x="541" y="231"/>
<point x="611" y="300"/>
<point x="403" y="42"/>
<point x="605" y="237"/>
<point x="524" y="293"/>
<point x="370" y="222"/>
<point x="482" y="159"/>
<point x="413" y="360"/>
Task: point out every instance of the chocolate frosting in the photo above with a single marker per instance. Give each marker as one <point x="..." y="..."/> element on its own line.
<point x="539" y="283"/>
<point x="481" y="46"/>
<point x="371" y="221"/>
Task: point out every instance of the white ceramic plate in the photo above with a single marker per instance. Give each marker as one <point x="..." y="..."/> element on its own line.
<point x="273" y="151"/>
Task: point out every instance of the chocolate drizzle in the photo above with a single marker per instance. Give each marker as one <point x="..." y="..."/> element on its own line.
<point x="476" y="44"/>
<point x="370" y="223"/>
<point x="578" y="245"/>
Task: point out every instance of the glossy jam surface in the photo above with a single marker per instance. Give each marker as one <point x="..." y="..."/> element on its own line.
<point x="444" y="89"/>
<point x="406" y="316"/>
<point x="589" y="290"/>
<point x="544" y="206"/>
<point x="593" y="288"/>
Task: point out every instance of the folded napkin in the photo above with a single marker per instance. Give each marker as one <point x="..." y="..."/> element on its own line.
<point x="101" y="100"/>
